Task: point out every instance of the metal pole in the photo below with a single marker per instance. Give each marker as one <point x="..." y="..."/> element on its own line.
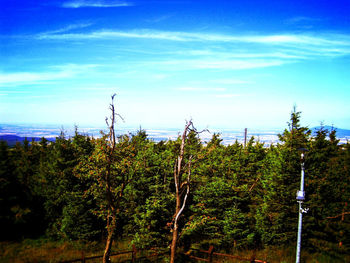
<point x="299" y="234"/>
<point x="300" y="199"/>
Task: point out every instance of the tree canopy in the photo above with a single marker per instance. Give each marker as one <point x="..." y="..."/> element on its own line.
<point x="82" y="188"/>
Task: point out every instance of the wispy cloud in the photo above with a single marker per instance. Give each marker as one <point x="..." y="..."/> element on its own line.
<point x="230" y="81"/>
<point x="301" y="20"/>
<point x="242" y="54"/>
<point x="54" y="73"/>
<point x="94" y="3"/>
<point x="158" y="19"/>
<point x="30" y="77"/>
<point x="305" y="41"/>
<point x="219" y="64"/>
<point x="214" y="51"/>
<point x="75" y="68"/>
<point x="144" y="34"/>
<point x="278" y="39"/>
<point x="68" y="28"/>
<point x="239" y="64"/>
<point x="226" y="96"/>
<point x="211" y="91"/>
<point x="199" y="89"/>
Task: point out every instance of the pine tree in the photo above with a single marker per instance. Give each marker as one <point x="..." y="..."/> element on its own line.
<point x="277" y="217"/>
<point x="8" y="193"/>
<point x="150" y="202"/>
<point x="322" y="150"/>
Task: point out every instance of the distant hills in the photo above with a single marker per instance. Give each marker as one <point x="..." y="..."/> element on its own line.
<point x="341" y="133"/>
<point x="13" y="139"/>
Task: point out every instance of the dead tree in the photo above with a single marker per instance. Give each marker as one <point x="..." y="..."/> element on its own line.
<point x="113" y="201"/>
<point x="182" y="178"/>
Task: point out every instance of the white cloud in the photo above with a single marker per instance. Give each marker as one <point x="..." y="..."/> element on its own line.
<point x="145" y="34"/>
<point x="94" y="3"/>
<point x="158" y="76"/>
<point x="300" y="20"/>
<point x="30" y="77"/>
<point x="199" y="89"/>
<point x="219" y="64"/>
<point x="58" y="72"/>
<point x="158" y="19"/>
<point x="75" y="68"/>
<point x="290" y="45"/>
<point x="328" y="40"/>
<point x="241" y="54"/>
<point x="226" y="96"/>
<point x="68" y="28"/>
<point x="230" y="81"/>
<point x="238" y="64"/>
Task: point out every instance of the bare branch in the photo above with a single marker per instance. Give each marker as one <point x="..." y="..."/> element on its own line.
<point x="179" y="169"/>
<point x="183" y="203"/>
<point x="183" y="184"/>
<point x="256" y="181"/>
<point x="342" y="214"/>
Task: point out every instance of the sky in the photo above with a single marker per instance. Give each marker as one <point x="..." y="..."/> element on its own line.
<point x="223" y="64"/>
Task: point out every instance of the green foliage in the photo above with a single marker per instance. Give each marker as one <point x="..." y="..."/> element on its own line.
<point x="151" y="223"/>
<point x="241" y="197"/>
<point x="149" y="200"/>
<point x="277" y="217"/>
<point x="8" y="198"/>
<point x="21" y="203"/>
<point x="223" y="201"/>
<point x="67" y="213"/>
<point x="210" y="203"/>
<point x="78" y="223"/>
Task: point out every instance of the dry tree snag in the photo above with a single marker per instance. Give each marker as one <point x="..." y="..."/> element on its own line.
<point x="112" y="200"/>
<point x="182" y="186"/>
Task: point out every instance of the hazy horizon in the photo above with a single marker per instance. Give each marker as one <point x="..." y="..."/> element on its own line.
<point x="229" y="136"/>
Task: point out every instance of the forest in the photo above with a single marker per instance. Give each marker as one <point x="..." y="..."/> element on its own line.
<point x="178" y="194"/>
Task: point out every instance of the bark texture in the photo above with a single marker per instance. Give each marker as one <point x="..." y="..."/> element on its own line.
<point x="180" y="193"/>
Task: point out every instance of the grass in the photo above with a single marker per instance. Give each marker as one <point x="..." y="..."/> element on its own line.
<point x="276" y="255"/>
<point x="44" y="250"/>
<point x="286" y="255"/>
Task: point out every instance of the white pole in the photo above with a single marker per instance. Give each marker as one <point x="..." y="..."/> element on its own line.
<point x="300" y="198"/>
<point x="299" y="234"/>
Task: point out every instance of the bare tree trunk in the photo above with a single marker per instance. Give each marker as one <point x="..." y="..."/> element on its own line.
<point x="111" y="225"/>
<point x="174" y="243"/>
<point x="113" y="203"/>
<point x="175" y="225"/>
<point x="177" y="215"/>
<point x="107" y="253"/>
<point x="179" y="185"/>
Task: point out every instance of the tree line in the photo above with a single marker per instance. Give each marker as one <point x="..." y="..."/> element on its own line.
<point x="178" y="192"/>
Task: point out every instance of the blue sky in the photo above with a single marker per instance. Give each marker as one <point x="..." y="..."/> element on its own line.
<point x="225" y="64"/>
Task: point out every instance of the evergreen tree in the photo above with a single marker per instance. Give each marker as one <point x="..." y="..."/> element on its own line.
<point x="150" y="200"/>
<point x="277" y="217"/>
<point x="322" y="150"/>
<point x="8" y="193"/>
<point x="330" y="216"/>
<point x="224" y="199"/>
